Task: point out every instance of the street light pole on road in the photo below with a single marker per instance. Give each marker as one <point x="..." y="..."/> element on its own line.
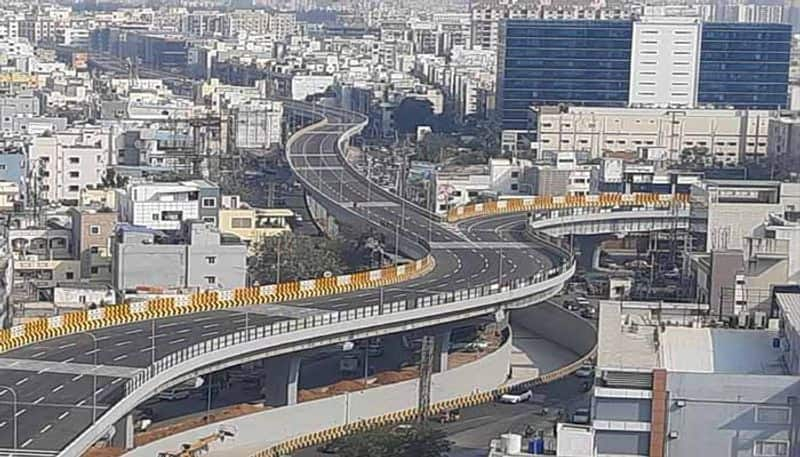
<point x="14" y="440"/>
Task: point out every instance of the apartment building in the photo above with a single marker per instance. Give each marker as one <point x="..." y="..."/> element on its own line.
<point x="198" y="257"/>
<point x="92" y="231"/>
<point x="258" y="124"/>
<point x="707" y="136"/>
<point x="70" y="160"/>
<point x="165" y="205"/>
<point x="669" y="385"/>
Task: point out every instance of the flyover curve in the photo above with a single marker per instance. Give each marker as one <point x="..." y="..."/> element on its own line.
<point x="72" y="388"/>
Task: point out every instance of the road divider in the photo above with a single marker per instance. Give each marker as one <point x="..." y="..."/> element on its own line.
<point x="169" y="306"/>
<point x="547" y="202"/>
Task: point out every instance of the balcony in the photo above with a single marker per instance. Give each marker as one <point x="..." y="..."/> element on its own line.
<point x="767" y="248"/>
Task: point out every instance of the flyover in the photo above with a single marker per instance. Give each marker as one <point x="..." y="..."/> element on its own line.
<point x="67" y="381"/>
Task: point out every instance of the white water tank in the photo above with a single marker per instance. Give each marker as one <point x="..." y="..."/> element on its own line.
<point x="512" y="443"/>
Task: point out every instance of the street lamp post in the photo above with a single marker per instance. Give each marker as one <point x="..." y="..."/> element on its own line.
<point x="13" y="413"/>
<point x="94" y="375"/>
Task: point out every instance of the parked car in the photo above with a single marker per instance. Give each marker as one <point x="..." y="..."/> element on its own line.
<point x="513" y="399"/>
<point x="581" y="416"/>
<point x="174" y="394"/>
<point x="585" y="371"/>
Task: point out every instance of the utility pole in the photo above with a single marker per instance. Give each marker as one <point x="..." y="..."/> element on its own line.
<point x="425" y="376"/>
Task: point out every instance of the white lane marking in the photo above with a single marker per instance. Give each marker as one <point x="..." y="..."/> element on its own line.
<point x="134" y="331"/>
<point x="56" y="389"/>
<point x="116" y="381"/>
<point x="22" y="381"/>
<point x="91" y="352"/>
<point x="63" y="415"/>
<point x="170" y="324"/>
<point x="186" y="330"/>
<point x="97" y="392"/>
<point x="20" y="412"/>
<point x="3" y="424"/>
<point x="101" y="338"/>
<point x="120" y="357"/>
<point x="46" y="428"/>
<point x="27" y="442"/>
<point x="147" y="349"/>
<point x="179" y="340"/>
<point x="39" y="354"/>
<point x="81" y="403"/>
<point x="68" y="345"/>
<point x="210" y="325"/>
<point x="209" y="334"/>
<point x="38" y="400"/>
<point x="123" y="343"/>
<point x="69" y="360"/>
<point x="77" y="377"/>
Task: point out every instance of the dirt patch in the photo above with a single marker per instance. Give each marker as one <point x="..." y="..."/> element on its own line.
<point x="218" y="415"/>
<point x="96" y="451"/>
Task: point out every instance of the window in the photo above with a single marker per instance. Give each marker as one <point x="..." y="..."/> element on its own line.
<point x="764" y="448"/>
<point x="211" y="279"/>
<point x="211" y="259"/>
<point x="514" y="186"/>
<point x="94" y="229"/>
<point x="171" y="215"/>
<point x="94" y="250"/>
<point x="2" y="166"/>
<point x="472" y="193"/>
<point x="69" y="275"/>
<point x="210" y="219"/>
<point x="74" y="174"/>
<point x="73" y="188"/>
<point x="773" y="414"/>
<point x="94" y="270"/>
<point x="74" y="160"/>
<point x="515" y="174"/>
<point x="209" y="202"/>
<point x="241" y="222"/>
<point x="155" y="217"/>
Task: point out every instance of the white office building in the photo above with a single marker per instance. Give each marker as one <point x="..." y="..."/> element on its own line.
<point x="165" y="205"/>
<point x="664" y="61"/>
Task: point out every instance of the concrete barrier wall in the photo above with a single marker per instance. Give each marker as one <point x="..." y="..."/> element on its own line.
<point x="553" y="322"/>
<point x="259" y="430"/>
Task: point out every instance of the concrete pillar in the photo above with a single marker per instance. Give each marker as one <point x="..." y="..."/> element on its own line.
<point x="441" y="351"/>
<point x="124" y="433"/>
<point x="280" y="387"/>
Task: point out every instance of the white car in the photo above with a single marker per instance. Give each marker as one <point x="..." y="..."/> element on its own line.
<point x="173" y="394"/>
<point x="513" y="399"/>
<point x="584" y="372"/>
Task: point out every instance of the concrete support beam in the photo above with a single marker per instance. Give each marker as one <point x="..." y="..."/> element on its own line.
<point x="441" y="350"/>
<point x="283" y="376"/>
<point x="124" y="433"/>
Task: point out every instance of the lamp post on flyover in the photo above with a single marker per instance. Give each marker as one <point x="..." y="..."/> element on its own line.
<point x="94" y="375"/>
<point x="13" y="413"/>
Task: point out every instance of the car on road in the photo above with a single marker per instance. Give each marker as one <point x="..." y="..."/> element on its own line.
<point x="174" y="394"/>
<point x="581" y="416"/>
<point x="513" y="399"/>
<point x="586" y="371"/>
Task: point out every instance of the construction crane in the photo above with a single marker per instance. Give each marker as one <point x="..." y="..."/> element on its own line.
<point x="200" y="447"/>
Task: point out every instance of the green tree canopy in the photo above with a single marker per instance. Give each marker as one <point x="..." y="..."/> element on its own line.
<point x="416" y="441"/>
<point x="295" y="257"/>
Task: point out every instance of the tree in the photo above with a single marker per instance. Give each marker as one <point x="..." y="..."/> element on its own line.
<point x="415" y="441"/>
<point x="290" y="257"/>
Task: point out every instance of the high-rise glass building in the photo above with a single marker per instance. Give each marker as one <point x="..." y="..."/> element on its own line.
<point x="744" y="65"/>
<point x="673" y="63"/>
<point x="578" y="62"/>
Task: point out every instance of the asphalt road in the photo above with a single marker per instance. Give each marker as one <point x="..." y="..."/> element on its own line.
<point x="54" y="404"/>
<point x="470" y="436"/>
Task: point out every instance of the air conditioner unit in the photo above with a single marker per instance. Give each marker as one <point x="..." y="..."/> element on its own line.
<point x="680" y="404"/>
<point x="673" y="435"/>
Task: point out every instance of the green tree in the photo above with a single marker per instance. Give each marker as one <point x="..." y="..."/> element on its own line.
<point x="291" y="257"/>
<point x="416" y="441"/>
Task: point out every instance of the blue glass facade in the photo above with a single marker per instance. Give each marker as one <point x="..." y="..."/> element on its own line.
<point x="545" y="62"/>
<point x="744" y="65"/>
